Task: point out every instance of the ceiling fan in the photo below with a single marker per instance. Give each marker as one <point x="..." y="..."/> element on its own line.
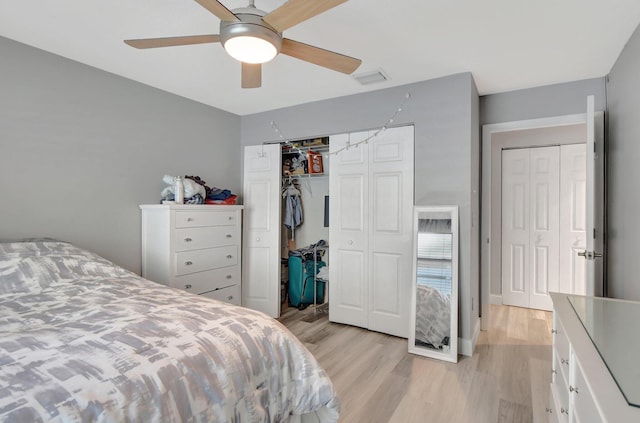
<point x="254" y="36"/>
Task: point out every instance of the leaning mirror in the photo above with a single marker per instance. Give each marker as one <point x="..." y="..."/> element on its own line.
<point x="434" y="303"/>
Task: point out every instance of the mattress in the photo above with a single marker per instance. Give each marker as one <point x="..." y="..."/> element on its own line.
<point x="82" y="339"/>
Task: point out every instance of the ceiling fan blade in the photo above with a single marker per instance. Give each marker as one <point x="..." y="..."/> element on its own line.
<point x="173" y="41"/>
<point x="318" y="56"/>
<point x="218" y="9"/>
<point x="295" y="11"/>
<point x="251" y="75"/>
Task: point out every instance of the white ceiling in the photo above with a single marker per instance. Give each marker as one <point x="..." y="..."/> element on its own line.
<point x="506" y="44"/>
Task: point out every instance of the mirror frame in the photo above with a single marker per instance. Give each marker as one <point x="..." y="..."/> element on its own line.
<point x="452" y="354"/>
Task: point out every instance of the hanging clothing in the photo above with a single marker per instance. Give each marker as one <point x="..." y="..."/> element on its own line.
<point x="292" y="210"/>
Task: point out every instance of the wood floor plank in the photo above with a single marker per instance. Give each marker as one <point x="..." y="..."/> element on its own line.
<point x="506" y="380"/>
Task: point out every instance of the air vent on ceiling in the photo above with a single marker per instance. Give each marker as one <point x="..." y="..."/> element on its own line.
<point x="373" y="77"/>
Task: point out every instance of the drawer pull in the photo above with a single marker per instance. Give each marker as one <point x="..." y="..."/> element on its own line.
<point x="188" y="263"/>
<point x="564" y="361"/>
<point x="230" y="217"/>
<point x="554" y="330"/>
<point x="189" y="219"/>
<point x="187" y="286"/>
<point x="549" y="410"/>
<point x="554" y="372"/>
<point x="229" y="256"/>
<point x="230" y="297"/>
<point x="572" y="389"/>
<point x="229" y="276"/>
<point x="188" y="240"/>
<point x="228" y="235"/>
<point x="563" y="411"/>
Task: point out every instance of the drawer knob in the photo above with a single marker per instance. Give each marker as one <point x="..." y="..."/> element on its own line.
<point x="554" y="330"/>
<point x="188" y="240"/>
<point x="189" y="219"/>
<point x="229" y="256"/>
<point x="230" y="297"/>
<point x="563" y="411"/>
<point x="554" y="372"/>
<point x="229" y="276"/>
<point x="188" y="263"/>
<point x="230" y="217"/>
<point x="572" y="389"/>
<point x="228" y="235"/>
<point x="187" y="286"/>
<point x="564" y="361"/>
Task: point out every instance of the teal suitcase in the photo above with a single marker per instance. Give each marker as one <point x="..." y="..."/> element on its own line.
<point x="301" y="282"/>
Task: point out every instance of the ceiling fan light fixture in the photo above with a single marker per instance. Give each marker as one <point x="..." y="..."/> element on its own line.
<point x="249" y="49"/>
<point x="250" y="40"/>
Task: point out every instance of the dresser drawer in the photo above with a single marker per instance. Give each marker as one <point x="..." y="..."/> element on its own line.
<point x="561" y="344"/>
<point x="196" y="218"/>
<point x="209" y="280"/>
<point x="206" y="237"/>
<point x="207" y="259"/>
<point x="584" y="407"/>
<point x="230" y="294"/>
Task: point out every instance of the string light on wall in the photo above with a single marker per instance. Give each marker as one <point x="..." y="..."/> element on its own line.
<point x="349" y="144"/>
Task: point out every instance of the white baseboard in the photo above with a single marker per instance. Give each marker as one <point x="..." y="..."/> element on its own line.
<point x="495" y="299"/>
<point x="466" y="346"/>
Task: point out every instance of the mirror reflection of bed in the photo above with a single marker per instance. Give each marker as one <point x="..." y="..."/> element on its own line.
<point x="435" y="261"/>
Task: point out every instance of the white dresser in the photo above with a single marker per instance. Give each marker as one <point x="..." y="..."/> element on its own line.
<point x="194" y="247"/>
<point x="589" y="377"/>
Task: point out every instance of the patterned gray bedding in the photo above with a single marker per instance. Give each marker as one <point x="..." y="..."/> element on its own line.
<point x="82" y="339"/>
<point x="433" y="317"/>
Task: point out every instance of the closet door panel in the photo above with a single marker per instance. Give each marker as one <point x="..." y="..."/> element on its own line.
<point x="390" y="232"/>
<point x="351" y="207"/>
<point x="545" y="230"/>
<point x="261" y="231"/>
<point x="515" y="227"/>
<point x="371" y="212"/>
<point x="348" y="214"/>
<point x="385" y="276"/>
<point x="388" y="202"/>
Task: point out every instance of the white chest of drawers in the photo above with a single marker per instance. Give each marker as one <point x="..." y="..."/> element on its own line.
<point x="582" y="388"/>
<point x="194" y="247"/>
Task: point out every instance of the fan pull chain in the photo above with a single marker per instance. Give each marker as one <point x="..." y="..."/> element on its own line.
<point x="349" y="143"/>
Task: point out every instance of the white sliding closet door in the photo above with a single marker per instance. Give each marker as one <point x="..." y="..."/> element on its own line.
<point x="371" y="211"/>
<point x="261" y="229"/>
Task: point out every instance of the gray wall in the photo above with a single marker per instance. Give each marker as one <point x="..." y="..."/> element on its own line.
<point x="80" y="149"/>
<point x="442" y="111"/>
<point x="623" y="91"/>
<point x="551" y="100"/>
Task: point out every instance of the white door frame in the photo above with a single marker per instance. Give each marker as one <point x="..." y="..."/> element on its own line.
<point x="491" y="233"/>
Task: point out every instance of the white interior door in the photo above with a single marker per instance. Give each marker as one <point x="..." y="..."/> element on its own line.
<point x="530" y="226"/>
<point x="261" y="229"/>
<point x="391" y="230"/>
<point x="573" y="181"/>
<point x="348" y="233"/>
<point x="515" y="227"/>
<point x="595" y="202"/>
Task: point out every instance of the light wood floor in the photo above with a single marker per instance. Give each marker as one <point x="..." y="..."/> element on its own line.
<point x="506" y="380"/>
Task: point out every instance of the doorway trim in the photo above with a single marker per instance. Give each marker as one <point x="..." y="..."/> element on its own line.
<point x="491" y="213"/>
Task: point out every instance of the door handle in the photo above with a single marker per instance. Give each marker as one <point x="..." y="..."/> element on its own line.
<point x="589" y="255"/>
